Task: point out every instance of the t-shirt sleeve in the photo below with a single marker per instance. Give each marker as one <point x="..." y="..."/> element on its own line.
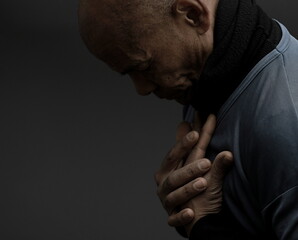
<point x="271" y="167"/>
<point x="282" y="214"/>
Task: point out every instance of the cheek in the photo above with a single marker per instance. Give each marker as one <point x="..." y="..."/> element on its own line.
<point x="172" y="71"/>
<point x="172" y="83"/>
<point x="164" y="79"/>
<point x="166" y="75"/>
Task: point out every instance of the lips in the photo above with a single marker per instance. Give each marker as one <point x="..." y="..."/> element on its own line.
<point x="181" y="96"/>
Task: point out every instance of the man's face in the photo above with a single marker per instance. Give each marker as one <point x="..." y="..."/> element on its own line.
<point x="165" y="62"/>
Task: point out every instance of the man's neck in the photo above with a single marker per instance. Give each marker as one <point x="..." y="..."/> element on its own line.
<point x="243" y="35"/>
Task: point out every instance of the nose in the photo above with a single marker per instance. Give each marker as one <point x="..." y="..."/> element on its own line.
<point x="142" y="85"/>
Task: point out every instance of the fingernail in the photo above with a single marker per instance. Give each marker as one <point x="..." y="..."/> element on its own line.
<point x="199" y="185"/>
<point x="204" y="164"/>
<point x="190" y="136"/>
<point x="186" y="215"/>
<point x="228" y="159"/>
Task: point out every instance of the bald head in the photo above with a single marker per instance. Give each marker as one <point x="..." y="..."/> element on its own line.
<point x="118" y="19"/>
<point x="161" y="44"/>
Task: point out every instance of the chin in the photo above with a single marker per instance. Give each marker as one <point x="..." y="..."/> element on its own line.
<point x="185" y="98"/>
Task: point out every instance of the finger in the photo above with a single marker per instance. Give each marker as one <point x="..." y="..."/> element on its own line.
<point x="179" y="151"/>
<point x="184" y="193"/>
<point x="181" y="218"/>
<point x="204" y="139"/>
<point x="197" y="124"/>
<point x="221" y="165"/>
<point x="182" y="129"/>
<point x="186" y="174"/>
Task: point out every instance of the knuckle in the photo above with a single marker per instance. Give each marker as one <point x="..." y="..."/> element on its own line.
<point x="168" y="202"/>
<point x="215" y="197"/>
<point x="216" y="190"/>
<point x="191" y="171"/>
<point x="170" y="157"/>
<point x="185" y="144"/>
<point x="169" y="183"/>
<point x="218" y="174"/>
<point x="187" y="191"/>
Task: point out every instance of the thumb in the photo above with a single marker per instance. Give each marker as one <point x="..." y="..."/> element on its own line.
<point x="182" y="129"/>
<point x="221" y="165"/>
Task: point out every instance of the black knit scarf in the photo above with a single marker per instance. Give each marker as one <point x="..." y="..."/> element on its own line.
<point x="243" y="35"/>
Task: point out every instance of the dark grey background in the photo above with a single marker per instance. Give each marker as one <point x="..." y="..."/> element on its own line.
<point x="78" y="147"/>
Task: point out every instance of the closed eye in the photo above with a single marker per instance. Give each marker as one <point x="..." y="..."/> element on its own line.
<point x="144" y="67"/>
<point x="139" y="67"/>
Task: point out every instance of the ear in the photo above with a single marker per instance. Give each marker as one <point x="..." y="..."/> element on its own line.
<point x="194" y="13"/>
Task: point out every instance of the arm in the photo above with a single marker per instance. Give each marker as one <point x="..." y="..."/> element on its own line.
<point x="272" y="169"/>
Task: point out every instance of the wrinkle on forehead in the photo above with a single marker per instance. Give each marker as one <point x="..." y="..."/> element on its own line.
<point x="113" y="29"/>
<point x="119" y="18"/>
<point x="119" y="58"/>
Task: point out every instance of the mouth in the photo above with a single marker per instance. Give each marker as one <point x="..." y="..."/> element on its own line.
<point x="182" y="97"/>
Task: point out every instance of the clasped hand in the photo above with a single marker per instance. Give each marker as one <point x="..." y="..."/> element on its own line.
<point x="188" y="185"/>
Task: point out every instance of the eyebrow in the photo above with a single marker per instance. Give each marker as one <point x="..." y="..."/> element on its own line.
<point x="134" y="66"/>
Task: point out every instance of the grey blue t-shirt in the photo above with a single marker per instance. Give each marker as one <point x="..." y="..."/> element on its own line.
<point x="259" y="125"/>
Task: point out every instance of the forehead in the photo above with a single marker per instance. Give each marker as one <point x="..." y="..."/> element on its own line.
<point x="118" y="39"/>
<point x="119" y="55"/>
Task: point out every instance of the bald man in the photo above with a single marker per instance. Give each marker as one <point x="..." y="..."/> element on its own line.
<point x="225" y="57"/>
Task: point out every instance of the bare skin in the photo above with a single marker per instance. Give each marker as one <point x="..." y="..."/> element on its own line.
<point x="187" y="181"/>
<point x="166" y="61"/>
